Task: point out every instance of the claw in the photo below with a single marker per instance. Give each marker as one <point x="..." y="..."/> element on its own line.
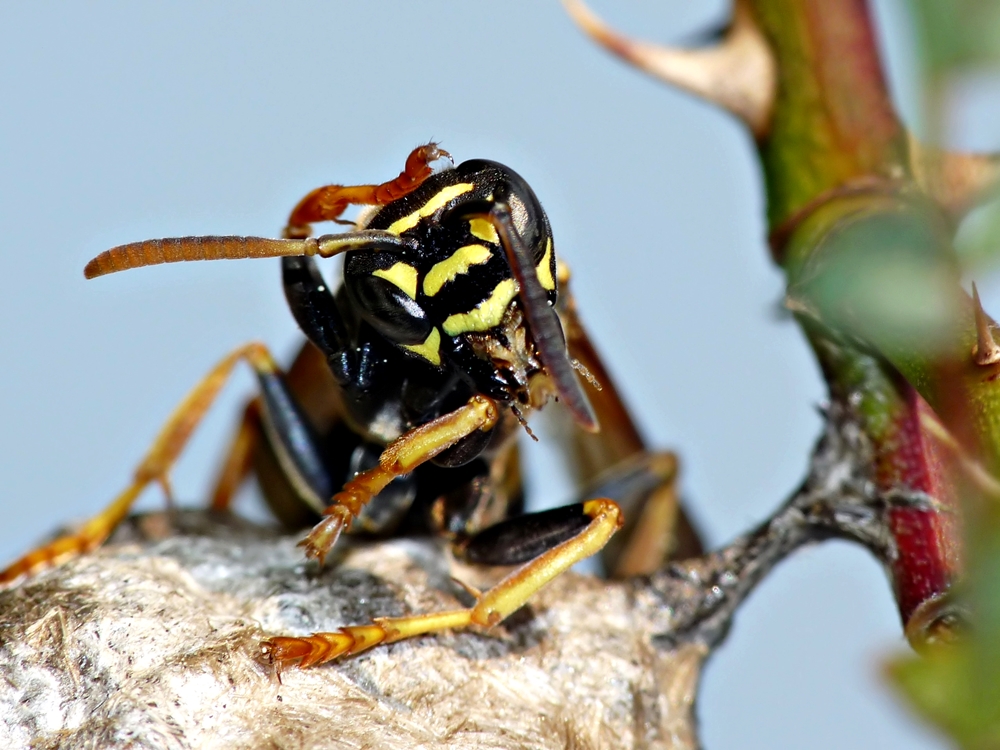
<point x="425" y="156"/>
<point x="319" y="648"/>
<point x="315" y="649"/>
<point x="325" y="534"/>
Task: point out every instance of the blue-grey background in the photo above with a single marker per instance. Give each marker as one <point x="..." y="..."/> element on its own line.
<point x="123" y="121"/>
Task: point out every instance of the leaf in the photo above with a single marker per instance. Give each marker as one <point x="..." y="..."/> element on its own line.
<point x="957" y="34"/>
<point x="978" y="240"/>
<point x="946" y="688"/>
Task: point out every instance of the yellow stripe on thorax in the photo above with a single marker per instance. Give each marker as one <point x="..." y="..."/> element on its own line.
<point x="483" y="229"/>
<point x="436" y="201"/>
<point x="545" y="268"/>
<point x="459" y="262"/>
<point x="402" y="275"/>
<point x="487" y="314"/>
<point x="430" y="349"/>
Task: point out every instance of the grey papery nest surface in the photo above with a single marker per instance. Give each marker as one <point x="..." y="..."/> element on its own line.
<point x="154" y="641"/>
<point x="156" y="644"/>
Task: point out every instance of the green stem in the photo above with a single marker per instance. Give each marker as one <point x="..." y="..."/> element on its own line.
<point x="833" y="122"/>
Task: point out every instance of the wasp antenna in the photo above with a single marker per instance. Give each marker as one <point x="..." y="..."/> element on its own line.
<point x="178" y="249"/>
<point x="546" y="330"/>
<point x="986" y="351"/>
<point x="957" y="181"/>
<point x="738" y="74"/>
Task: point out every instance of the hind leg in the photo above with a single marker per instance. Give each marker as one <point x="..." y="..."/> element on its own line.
<point x="283" y="416"/>
<point x="238" y="461"/>
<point x="657" y="526"/>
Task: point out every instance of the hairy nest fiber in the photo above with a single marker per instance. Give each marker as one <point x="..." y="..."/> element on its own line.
<point x="156" y="644"/>
<point x="154" y="641"/>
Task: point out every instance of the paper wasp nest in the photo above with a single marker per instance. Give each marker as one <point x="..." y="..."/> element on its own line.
<point x="156" y="644"/>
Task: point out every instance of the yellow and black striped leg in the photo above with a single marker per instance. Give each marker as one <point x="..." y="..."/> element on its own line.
<point x="645" y="488"/>
<point x="588" y="526"/>
<point x="154" y="467"/>
<point x="403" y="455"/>
<point x="658" y="526"/>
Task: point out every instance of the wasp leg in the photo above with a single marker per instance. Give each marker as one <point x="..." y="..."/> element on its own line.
<point x="282" y="415"/>
<point x="401" y="456"/>
<point x="329" y="202"/>
<point x="644" y="486"/>
<point x="239" y="458"/>
<point x="312" y="387"/>
<point x="659" y="525"/>
<point x="153" y="468"/>
<point x="588" y="527"/>
<point x="619" y="437"/>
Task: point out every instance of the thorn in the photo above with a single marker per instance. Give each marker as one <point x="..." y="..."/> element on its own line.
<point x="799" y="306"/>
<point x="956" y="180"/>
<point x="986" y="351"/>
<point x="739" y="74"/>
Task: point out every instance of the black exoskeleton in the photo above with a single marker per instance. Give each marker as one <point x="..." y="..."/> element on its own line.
<point x="442" y="338"/>
<point x="426" y="317"/>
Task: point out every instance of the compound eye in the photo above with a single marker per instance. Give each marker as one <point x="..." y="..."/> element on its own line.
<point x="390" y="310"/>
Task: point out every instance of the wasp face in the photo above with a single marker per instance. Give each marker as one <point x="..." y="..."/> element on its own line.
<point x="453" y="296"/>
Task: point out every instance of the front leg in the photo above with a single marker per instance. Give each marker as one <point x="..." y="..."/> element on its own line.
<point x="402" y="456"/>
<point x="552" y="542"/>
<point x="543" y="544"/>
<point x="329" y="202"/>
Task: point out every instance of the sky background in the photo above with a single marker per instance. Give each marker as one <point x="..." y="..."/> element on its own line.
<point x="126" y="121"/>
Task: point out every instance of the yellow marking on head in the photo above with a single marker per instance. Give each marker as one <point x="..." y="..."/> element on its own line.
<point x="545" y="268"/>
<point x="483" y="229"/>
<point x="430" y="349"/>
<point x="436" y="201"/>
<point x="459" y="262"/>
<point x="402" y="275"/>
<point x="487" y="314"/>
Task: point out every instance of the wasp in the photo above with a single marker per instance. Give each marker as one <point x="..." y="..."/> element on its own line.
<point x="447" y="330"/>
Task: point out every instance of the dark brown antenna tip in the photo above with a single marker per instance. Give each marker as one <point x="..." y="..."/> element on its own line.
<point x="986" y="351"/>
